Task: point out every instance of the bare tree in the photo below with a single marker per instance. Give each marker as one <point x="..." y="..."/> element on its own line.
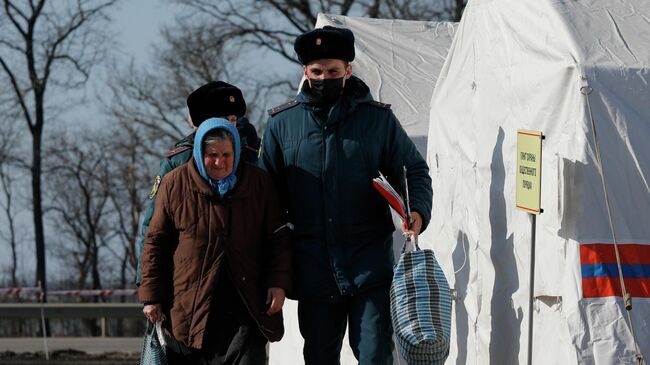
<point x="441" y="10"/>
<point x="6" y="181"/>
<point x="128" y="183"/>
<point x="78" y="188"/>
<point x="8" y="175"/>
<point x="47" y="45"/>
<point x="139" y="96"/>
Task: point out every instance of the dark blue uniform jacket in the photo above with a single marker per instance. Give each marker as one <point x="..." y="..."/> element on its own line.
<point x="323" y="164"/>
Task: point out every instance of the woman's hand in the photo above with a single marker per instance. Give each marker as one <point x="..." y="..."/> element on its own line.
<point x="153" y="312"/>
<point x="274" y="296"/>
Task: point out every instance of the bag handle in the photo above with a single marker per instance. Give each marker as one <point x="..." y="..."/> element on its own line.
<point x="409" y="239"/>
<point x="410" y="243"/>
<point x="157" y="327"/>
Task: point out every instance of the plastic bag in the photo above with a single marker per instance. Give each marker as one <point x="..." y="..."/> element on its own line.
<point x="153" y="349"/>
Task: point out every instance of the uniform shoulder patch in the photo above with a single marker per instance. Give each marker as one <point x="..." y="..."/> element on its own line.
<point x="154" y="189"/>
<point x="280" y="108"/>
<point x="377" y="104"/>
<point x="177" y="150"/>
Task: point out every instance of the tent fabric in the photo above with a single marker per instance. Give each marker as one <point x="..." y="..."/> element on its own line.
<point x="399" y="61"/>
<point x="524" y="65"/>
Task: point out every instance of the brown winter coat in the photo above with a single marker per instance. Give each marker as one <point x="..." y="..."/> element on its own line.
<point x="194" y="234"/>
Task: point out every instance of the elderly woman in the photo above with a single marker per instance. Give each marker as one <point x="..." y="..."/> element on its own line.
<point x="216" y="261"/>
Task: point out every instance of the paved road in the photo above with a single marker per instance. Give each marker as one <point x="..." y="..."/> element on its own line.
<point x="91" y="345"/>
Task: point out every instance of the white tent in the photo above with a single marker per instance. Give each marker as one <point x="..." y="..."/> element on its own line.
<point x="528" y="65"/>
<point x="400" y="62"/>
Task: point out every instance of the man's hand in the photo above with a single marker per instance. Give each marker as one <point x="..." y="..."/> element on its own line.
<point x="153" y="312"/>
<point x="416" y="225"/>
<point x="275" y="296"/>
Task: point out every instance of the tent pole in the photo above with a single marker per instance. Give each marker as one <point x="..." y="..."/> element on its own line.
<point x="531" y="298"/>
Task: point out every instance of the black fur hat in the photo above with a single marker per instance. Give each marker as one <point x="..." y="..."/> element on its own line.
<point x="215" y="99"/>
<point x="326" y="42"/>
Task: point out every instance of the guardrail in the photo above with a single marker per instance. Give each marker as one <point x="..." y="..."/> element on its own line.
<point x="72" y="310"/>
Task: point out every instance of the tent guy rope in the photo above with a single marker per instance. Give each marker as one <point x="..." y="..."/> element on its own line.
<point x="586" y="90"/>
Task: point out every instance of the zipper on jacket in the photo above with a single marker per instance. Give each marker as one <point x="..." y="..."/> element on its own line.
<point x="328" y="219"/>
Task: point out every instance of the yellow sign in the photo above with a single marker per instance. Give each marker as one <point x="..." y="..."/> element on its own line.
<point x="529" y="171"/>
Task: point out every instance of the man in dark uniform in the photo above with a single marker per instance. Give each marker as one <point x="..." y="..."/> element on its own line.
<point x="323" y="149"/>
<point x="214" y="99"/>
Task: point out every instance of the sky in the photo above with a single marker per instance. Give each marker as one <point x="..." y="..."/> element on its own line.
<point x="138" y="24"/>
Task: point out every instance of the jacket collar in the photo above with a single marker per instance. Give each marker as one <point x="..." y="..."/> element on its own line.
<point x="355" y="89"/>
<point x="187" y="141"/>
<point x="356" y="92"/>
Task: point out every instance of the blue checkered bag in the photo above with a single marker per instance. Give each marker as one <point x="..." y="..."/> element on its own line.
<point x="420" y="308"/>
<point x="153" y="349"/>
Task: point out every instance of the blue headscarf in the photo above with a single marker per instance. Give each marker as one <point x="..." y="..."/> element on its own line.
<point x="220" y="186"/>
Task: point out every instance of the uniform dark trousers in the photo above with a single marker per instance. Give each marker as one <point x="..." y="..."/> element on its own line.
<point x="322" y="325"/>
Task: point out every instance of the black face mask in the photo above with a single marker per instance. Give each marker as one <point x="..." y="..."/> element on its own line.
<point x="326" y="91"/>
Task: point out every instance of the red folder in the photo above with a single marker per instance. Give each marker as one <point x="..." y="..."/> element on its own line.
<point x="393" y="198"/>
